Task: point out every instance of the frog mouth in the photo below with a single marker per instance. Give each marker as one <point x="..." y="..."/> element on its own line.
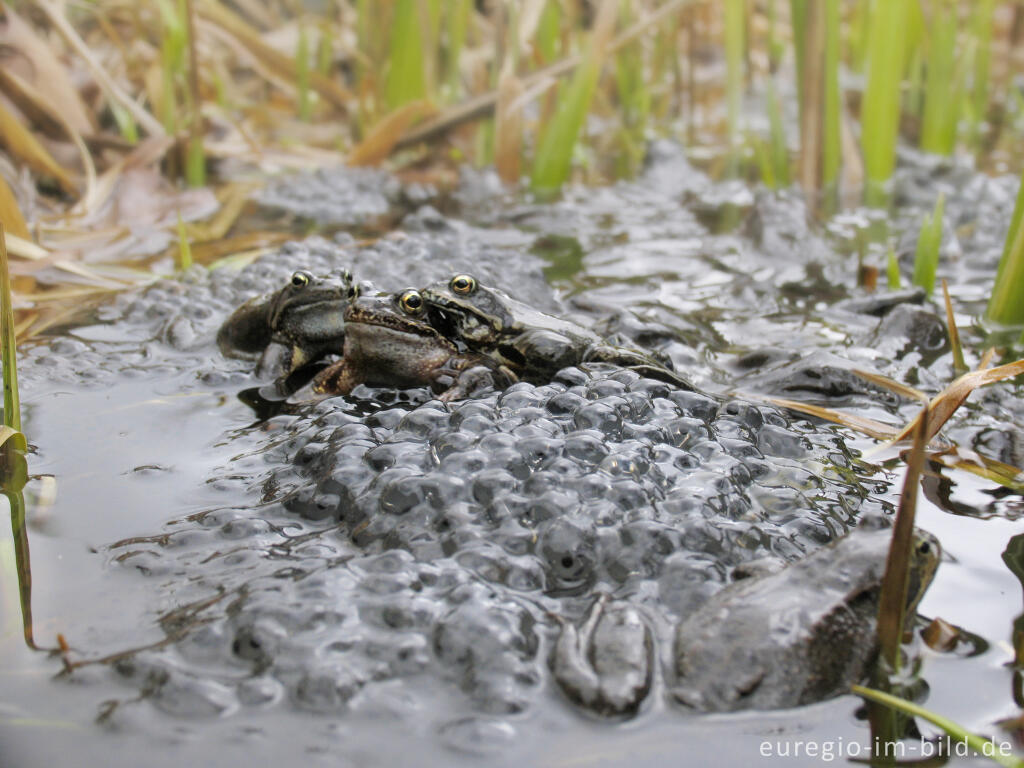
<point x="356" y="315"/>
<point x="454" y="324"/>
<point x="445" y="322"/>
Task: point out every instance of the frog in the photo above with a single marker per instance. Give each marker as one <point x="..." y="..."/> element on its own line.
<point x="532" y="344"/>
<point x="799" y="635"/>
<point x="606" y="664"/>
<point x="389" y="342"/>
<point x="295" y="326"/>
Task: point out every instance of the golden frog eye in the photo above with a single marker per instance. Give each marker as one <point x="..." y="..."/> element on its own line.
<point x="302" y="278"/>
<point x="411" y="302"/>
<point x="463" y="284"/>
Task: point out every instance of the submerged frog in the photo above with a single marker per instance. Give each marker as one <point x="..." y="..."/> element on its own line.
<point x="801" y="635"/>
<point x="295" y="326"/>
<point x="532" y="344"/>
<point x="389" y="343"/>
<point x="607" y="664"/>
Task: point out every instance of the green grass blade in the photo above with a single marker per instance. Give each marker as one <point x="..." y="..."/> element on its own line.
<point x="798" y="18"/>
<point x="1006" y="304"/>
<point x="457" y="22"/>
<point x="833" y="105"/>
<point x="549" y="31"/>
<point x="979" y="744"/>
<point x="926" y="256"/>
<point x="938" y="128"/>
<point x="880" y="109"/>
<point x="892" y="270"/>
<point x="779" y="152"/>
<point x="981" y="29"/>
<point x="8" y="352"/>
<point x="125" y="122"/>
<point x="554" y="152"/>
<point x="184" y="248"/>
<point x="405" y="80"/>
<point x="735" y="32"/>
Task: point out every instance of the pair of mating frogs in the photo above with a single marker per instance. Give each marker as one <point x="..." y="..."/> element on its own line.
<point x="456" y="336"/>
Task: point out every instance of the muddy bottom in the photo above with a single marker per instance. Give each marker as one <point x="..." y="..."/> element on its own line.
<point x="382" y="578"/>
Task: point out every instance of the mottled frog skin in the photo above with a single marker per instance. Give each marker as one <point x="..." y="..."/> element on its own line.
<point x="801" y="635"/>
<point x="292" y="327"/>
<point x="389" y="343"/>
<point x="532" y="344"/>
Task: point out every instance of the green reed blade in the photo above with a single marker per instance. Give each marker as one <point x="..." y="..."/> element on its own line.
<point x="406" y="80"/>
<point x="457" y="22"/>
<point x="125" y="122"/>
<point x="549" y="31"/>
<point x="1006" y="304"/>
<point x="981" y="30"/>
<point x="856" y="35"/>
<point x="880" y="110"/>
<point x="634" y="99"/>
<point x="831" y="152"/>
<point x="184" y="248"/>
<point x="892" y="270"/>
<point x="798" y="18"/>
<point x="762" y="156"/>
<point x="554" y="152"/>
<point x="979" y="744"/>
<point x="172" y="63"/>
<point x="779" y="150"/>
<point x="8" y="350"/>
<point x="195" y="157"/>
<point x="735" y="32"/>
<point x="938" y="128"/>
<point x="926" y="256"/>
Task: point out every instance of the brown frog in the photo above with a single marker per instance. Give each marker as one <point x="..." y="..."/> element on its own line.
<point x="532" y="344"/>
<point x="388" y="342"/>
<point x="297" y="325"/>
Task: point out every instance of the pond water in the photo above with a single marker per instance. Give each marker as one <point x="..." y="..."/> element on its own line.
<point x="374" y="580"/>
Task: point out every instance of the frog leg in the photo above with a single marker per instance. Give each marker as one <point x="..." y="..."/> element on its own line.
<point x="462" y="378"/>
<point x="247" y="330"/>
<point x="336" y="379"/>
<point x="634" y="361"/>
<point x="279" y="360"/>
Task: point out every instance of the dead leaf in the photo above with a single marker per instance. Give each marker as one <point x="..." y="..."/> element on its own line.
<point x="382" y="138"/>
<point x="112" y="90"/>
<point x="940" y="635"/>
<point x="33" y="103"/>
<point x="945" y="404"/>
<point x="274" y="59"/>
<point x="23" y="145"/>
<point x="42" y="69"/>
<point x="10" y="213"/>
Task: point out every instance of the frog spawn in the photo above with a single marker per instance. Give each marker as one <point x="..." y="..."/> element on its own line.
<point x="436" y="544"/>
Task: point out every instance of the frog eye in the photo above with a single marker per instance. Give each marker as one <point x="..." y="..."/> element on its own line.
<point x="302" y="278"/>
<point x="463" y="284"/>
<point x="411" y="302"/>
